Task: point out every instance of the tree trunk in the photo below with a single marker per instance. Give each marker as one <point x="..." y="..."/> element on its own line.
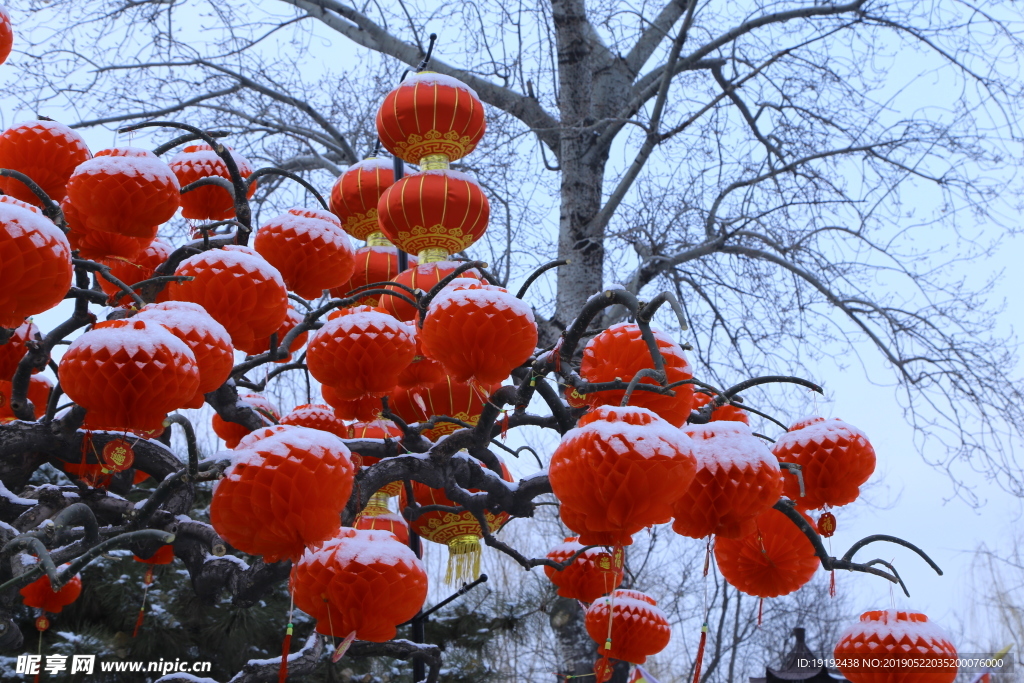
<point x="576" y="651"/>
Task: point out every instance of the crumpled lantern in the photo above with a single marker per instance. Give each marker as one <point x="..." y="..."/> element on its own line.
<point x="595" y="572"/>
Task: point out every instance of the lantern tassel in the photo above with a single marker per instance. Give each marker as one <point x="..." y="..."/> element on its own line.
<point x="142" y="608"/>
<point x="286" y="646"/>
<point x="760" y="611"/>
<point x="463" y="560"/>
<point x="832" y="584"/>
<point x="699" y="662"/>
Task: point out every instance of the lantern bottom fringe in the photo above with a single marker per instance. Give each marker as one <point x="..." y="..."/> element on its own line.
<point x="463" y="560"/>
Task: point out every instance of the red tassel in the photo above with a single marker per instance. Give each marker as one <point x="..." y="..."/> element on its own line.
<point x="286" y="645"/>
<point x="760" y="611"/>
<point x="504" y="426"/>
<point x="700" y="653"/>
<point x="138" y="621"/>
<point x="556" y="355"/>
<point x="832" y="584"/>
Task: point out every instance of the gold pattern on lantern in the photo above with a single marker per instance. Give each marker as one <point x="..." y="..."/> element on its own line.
<point x="450" y="144"/>
<point x="377" y="238"/>
<point x="434" y="162"/>
<point x="432" y="255"/>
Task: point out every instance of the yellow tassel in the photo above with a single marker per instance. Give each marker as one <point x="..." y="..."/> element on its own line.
<point x="463" y="560"/>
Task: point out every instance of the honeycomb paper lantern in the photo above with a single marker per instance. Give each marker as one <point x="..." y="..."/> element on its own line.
<point x="447" y="397"/>
<point x="422" y="276"/>
<point x="238" y="288"/>
<point x="283" y="492"/>
<point x="737" y="479"/>
<point x="595" y="572"/>
<point x="619" y="471"/>
<point x="460" y="531"/>
<point x="355" y="194"/>
<point x="97" y="245"/>
<point x="775" y="560"/>
<point x="210" y="202"/>
<point x="128" y="374"/>
<point x="620" y="352"/>
<point x="836" y="458"/>
<point x="366" y="409"/>
<point x="726" y="413"/>
<point x="291" y="320"/>
<point x="6" y="35"/>
<point x="317" y="416"/>
<point x="436" y="212"/>
<point x="133" y="270"/>
<point x="45" y="151"/>
<point x="430" y="114"/>
<point x="627" y="625"/>
<point x="38" y="393"/>
<point x="362" y="581"/>
<point x="35" y="262"/>
<point x="15" y="349"/>
<point x="478" y="332"/>
<point x="126" y="190"/>
<point x="310" y="250"/>
<point x="897" y="638"/>
<point x="422" y="371"/>
<point x="207" y="338"/>
<point x="361" y="354"/>
<point x="371" y="264"/>
<point x="40" y="593"/>
<point x="232" y="432"/>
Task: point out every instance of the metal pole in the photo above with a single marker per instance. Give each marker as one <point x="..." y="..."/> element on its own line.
<point x="403" y="258"/>
<point x="419" y="667"/>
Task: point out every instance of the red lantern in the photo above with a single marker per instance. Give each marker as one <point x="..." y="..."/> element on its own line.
<point x="16" y="347"/>
<point x="136" y="269"/>
<point x="238" y="288"/>
<point x="619" y="471"/>
<point x="620" y="352"/>
<point x="364" y="409"/>
<point x="232" y="432"/>
<point x="45" y="151"/>
<point x="97" y="245"/>
<point x="373" y="431"/>
<point x="628" y="625"/>
<point x="726" y="413"/>
<point x="362" y="581"/>
<point x="447" y="397"/>
<point x="39" y="388"/>
<point x="355" y="194"/>
<point x="373" y="263"/>
<point x="460" y="531"/>
<point x="310" y="249"/>
<point x="35" y="262"/>
<point x="163" y="555"/>
<point x="422" y="276"/>
<point x="775" y="560"/>
<point x="361" y="354"/>
<point x="6" y="35"/>
<point x="430" y="114"/>
<point x="897" y="638"/>
<point x="595" y="572"/>
<point x="434" y="213"/>
<point x="283" y="492"/>
<point x="376" y="516"/>
<point x="263" y="345"/>
<point x="478" y="332"/>
<point x="422" y="371"/>
<point x="128" y="374"/>
<point x="125" y="190"/>
<point x="317" y="416"/>
<point x="737" y="479"/>
<point x="836" y="458"/>
<point x="206" y="337"/>
<point x="210" y="202"/>
<point x="40" y="593"/>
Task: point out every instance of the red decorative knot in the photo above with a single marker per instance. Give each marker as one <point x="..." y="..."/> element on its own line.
<point x="431" y="114"/>
<point x="355" y="194"/>
<point x="238" y="288"/>
<point x="372" y="264"/>
<point x="126" y="190"/>
<point x="36" y="260"/>
<point x="45" y="151"/>
<point x="836" y="459"/>
<point x="737" y="479"/>
<point x="283" y="492"/>
<point x="627" y="625"/>
<point x="207" y="338"/>
<point x="361" y="354"/>
<point x="775" y="560"/>
<point x="902" y="639"/>
<point x="619" y="471"/>
<point x="433" y="212"/>
<point x="620" y="352"/>
<point x="362" y="581"/>
<point x="232" y="432"/>
<point x="310" y="250"/>
<point x="210" y="202"/>
<point x="128" y="374"/>
<point x="595" y="572"/>
<point x="478" y="332"/>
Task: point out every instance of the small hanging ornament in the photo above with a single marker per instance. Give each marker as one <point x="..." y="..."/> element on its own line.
<point x="595" y="572"/>
<point x="164" y="555"/>
<point x="826" y="524"/>
<point x="117" y="456"/>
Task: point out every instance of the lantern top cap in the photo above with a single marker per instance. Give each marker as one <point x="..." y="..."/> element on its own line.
<point x="434" y="78"/>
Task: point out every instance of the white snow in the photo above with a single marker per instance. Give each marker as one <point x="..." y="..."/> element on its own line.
<point x="204" y="155"/>
<point x="488" y="296"/>
<point x="726" y="443"/>
<point x="130" y="161"/>
<point x="23" y="219"/>
<point x="312" y="227"/>
<point x="449" y="173"/>
<point x="246" y="257"/>
<point x="372" y="164"/>
<point x="831" y="428"/>
<point x="433" y="78"/>
<point x="133" y="336"/>
<point x="56" y="129"/>
<point x="653" y="439"/>
<point x="185" y="317"/>
<point x="345" y="325"/>
<point x="362" y="547"/>
<point x="896" y="623"/>
<point x="283" y="440"/>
